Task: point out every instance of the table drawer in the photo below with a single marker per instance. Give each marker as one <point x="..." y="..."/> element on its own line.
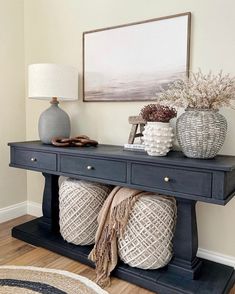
<point x="172" y="179"/>
<point x="97" y="168"/>
<point x="35" y="159"/>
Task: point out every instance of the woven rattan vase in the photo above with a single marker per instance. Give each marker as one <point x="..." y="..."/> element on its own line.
<point x="80" y="203"/>
<point x="147" y="239"/>
<point x="201" y="133"/>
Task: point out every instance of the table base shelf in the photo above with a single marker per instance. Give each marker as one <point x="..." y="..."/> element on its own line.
<point x="214" y="278"/>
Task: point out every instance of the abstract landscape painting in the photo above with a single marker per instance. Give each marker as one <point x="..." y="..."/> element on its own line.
<point x="134" y="62"/>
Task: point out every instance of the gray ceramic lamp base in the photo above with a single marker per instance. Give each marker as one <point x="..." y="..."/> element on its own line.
<point x="53" y="122"/>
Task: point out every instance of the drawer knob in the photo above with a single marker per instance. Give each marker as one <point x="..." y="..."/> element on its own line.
<point x="33" y="159"/>
<point x="89" y="167"/>
<point x="167" y="179"/>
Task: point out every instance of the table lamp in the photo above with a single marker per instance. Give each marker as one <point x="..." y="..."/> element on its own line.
<point x="53" y="82"/>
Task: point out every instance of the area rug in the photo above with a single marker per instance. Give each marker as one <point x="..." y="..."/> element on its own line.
<point x="31" y="280"/>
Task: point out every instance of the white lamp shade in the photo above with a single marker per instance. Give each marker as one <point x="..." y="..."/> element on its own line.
<point x="52" y="80"/>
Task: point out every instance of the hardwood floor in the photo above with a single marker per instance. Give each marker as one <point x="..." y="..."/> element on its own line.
<point x="16" y="252"/>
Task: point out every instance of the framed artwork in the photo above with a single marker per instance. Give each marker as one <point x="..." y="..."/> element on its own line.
<point x="135" y="61"/>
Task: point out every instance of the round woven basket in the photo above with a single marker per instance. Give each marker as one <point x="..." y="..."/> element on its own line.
<point x="80" y="203"/>
<point x="147" y="240"/>
<point x="201" y="133"/>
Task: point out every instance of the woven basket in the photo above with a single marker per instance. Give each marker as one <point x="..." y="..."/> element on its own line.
<point x="147" y="240"/>
<point x="80" y="203"/>
<point x="201" y="133"/>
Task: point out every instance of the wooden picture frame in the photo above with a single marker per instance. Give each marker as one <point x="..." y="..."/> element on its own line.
<point x="132" y="62"/>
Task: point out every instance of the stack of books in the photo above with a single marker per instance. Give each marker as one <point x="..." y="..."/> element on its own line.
<point x="134" y="147"/>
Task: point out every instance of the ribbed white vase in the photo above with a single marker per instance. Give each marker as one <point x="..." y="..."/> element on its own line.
<point x="158" y="138"/>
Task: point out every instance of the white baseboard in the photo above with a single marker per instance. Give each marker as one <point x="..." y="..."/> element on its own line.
<point x="19" y="209"/>
<point x="13" y="211"/>
<point x="35" y="209"/>
<point x="216" y="257"/>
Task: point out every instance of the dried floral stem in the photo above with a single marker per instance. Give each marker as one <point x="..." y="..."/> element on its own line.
<point x="204" y="91"/>
<point x="157" y="112"/>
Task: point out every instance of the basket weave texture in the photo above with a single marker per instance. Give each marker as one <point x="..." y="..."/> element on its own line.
<point x="147" y="239"/>
<point x="201" y="133"/>
<point x="80" y="203"/>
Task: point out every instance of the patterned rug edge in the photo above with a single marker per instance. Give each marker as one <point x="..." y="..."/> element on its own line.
<point x="92" y="285"/>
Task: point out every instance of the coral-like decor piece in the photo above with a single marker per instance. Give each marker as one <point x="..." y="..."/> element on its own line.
<point x="158" y="138"/>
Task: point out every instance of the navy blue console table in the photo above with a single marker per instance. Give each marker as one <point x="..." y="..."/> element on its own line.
<point x="189" y="180"/>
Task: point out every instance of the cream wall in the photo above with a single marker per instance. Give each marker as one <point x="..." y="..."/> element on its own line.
<point x="12" y="111"/>
<point x="53" y="33"/>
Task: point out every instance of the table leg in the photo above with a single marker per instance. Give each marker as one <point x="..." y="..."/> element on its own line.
<point x="50" y="204"/>
<point x="185" y="242"/>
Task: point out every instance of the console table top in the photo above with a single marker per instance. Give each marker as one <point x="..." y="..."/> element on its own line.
<point x="220" y="162"/>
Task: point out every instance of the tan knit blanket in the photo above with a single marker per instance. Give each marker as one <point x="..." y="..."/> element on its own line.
<point x="112" y="221"/>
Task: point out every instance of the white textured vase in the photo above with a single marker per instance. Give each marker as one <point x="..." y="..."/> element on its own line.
<point x="158" y="138"/>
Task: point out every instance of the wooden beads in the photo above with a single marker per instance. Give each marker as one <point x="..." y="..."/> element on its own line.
<point x="79" y="141"/>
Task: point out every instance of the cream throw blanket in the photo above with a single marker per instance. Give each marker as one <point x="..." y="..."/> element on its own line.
<point x="112" y="221"/>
